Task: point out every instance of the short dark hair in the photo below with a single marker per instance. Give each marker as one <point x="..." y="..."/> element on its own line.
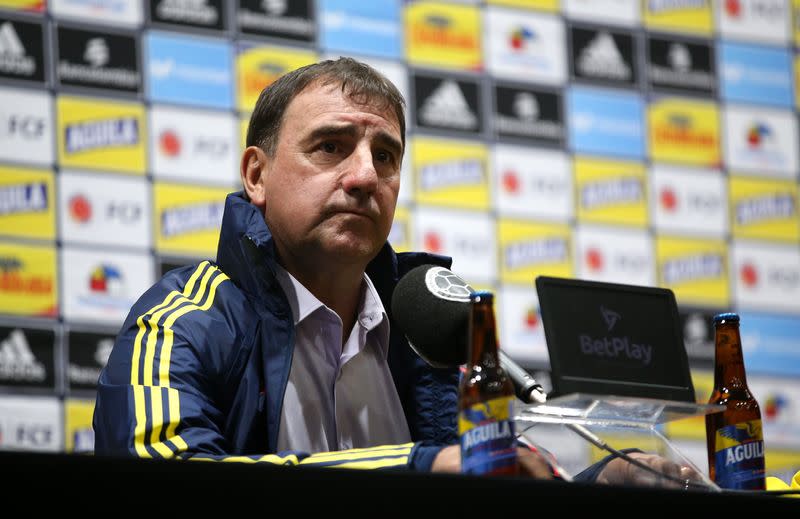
<point x="358" y="81"/>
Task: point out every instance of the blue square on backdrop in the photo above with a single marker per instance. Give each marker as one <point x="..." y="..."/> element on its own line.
<point x="755" y="74"/>
<point x="605" y="122"/>
<point x="367" y="28"/>
<point x="188" y="70"/>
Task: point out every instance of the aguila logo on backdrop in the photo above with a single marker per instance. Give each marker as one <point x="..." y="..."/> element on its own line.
<point x="615" y="347"/>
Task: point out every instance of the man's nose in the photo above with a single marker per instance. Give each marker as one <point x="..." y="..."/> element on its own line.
<point x="361" y="177"/>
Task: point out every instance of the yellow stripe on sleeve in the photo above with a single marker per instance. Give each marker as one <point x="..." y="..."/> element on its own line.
<point x="374" y="464"/>
<point x="141" y="421"/>
<point x="166" y="352"/>
<point x="137" y="344"/>
<point x="354" y="454"/>
<point x="152" y="337"/>
<point x="138" y="389"/>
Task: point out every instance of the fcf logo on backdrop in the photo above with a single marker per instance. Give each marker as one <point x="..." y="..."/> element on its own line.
<point x="467" y="236"/>
<point x="689" y="201"/>
<point x="532" y="183"/>
<point x="615" y="256"/>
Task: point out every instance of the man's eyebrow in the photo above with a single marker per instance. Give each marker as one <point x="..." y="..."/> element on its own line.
<point x="332" y="130"/>
<point x="388" y="140"/>
<point x="350" y="130"/>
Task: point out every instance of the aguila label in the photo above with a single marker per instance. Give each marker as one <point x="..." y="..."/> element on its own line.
<point x="739" y="456"/>
<point x="488" y="442"/>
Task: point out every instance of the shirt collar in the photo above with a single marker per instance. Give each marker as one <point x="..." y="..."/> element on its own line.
<point x="371" y="312"/>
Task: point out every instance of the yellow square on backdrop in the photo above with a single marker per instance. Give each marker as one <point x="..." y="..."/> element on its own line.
<point x="450" y="173"/>
<point x="684" y="131"/>
<point x="28" y="280"/>
<point x="443" y="35"/>
<point x="611" y="191"/>
<point x="529" y="249"/>
<point x="551" y="6"/>
<point x="694" y="17"/>
<point x="259" y="66"/>
<point x="187" y="218"/>
<point x="78" y="432"/>
<point x="101" y="134"/>
<point x="764" y="209"/>
<point x="695" y="269"/>
<point x="27" y="203"/>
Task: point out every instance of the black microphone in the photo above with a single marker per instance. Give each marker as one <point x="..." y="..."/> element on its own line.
<point x="430" y="305"/>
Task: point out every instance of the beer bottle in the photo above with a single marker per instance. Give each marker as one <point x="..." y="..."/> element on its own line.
<point x="734" y="437"/>
<point x="486" y="421"/>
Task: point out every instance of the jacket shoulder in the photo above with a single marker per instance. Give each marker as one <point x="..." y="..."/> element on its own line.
<point x="199" y="307"/>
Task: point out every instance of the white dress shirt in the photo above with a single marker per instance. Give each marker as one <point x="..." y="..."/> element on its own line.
<point x="339" y="396"/>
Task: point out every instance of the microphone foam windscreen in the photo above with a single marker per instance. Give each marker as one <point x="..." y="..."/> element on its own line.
<point x="431" y="306"/>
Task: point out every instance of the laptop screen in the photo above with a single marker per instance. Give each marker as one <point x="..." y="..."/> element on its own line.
<point x="613" y="339"/>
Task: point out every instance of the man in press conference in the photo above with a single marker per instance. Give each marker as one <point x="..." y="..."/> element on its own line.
<point x="282" y="351"/>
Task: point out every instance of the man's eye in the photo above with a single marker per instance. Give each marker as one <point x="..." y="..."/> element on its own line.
<point x="383" y="156"/>
<point x="329" y="147"/>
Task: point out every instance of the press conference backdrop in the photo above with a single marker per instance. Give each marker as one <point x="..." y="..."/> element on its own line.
<point x="651" y="143"/>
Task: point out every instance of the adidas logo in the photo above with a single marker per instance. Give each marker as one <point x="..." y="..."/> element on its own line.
<point x="448" y="107"/>
<point x="17" y="363"/>
<point x="96" y="53"/>
<point x="610" y="317"/>
<point x="13" y="58"/>
<point x="601" y="58"/>
<point x="679" y="57"/>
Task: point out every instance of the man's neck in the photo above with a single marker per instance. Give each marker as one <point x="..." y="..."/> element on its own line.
<point x="337" y="288"/>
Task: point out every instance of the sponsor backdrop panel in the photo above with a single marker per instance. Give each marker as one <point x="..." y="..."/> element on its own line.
<point x="26" y="126"/>
<point x="688" y="200"/>
<point x="28" y="280"/>
<point x="101" y="134"/>
<point x="442" y="35"/>
<point x="27" y="203"/>
<point x="529" y="249"/>
<point x="31" y="424"/>
<point x="27" y="358"/>
<point x="95" y="208"/>
<point x="78" y="431"/>
<point x="451" y="173"/>
<point x="187" y="219"/>
<point x="102" y="286"/>
<point x="258" y="65"/>
<point x="194" y="145"/>
<point x="650" y="143"/>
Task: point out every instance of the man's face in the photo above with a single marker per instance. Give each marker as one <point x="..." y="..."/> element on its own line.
<point x="331" y="185"/>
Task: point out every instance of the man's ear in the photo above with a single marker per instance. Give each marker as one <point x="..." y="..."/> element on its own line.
<point x="252" y="169"/>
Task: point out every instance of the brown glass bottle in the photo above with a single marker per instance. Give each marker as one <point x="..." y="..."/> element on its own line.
<point x="734" y="437"/>
<point x="486" y="396"/>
